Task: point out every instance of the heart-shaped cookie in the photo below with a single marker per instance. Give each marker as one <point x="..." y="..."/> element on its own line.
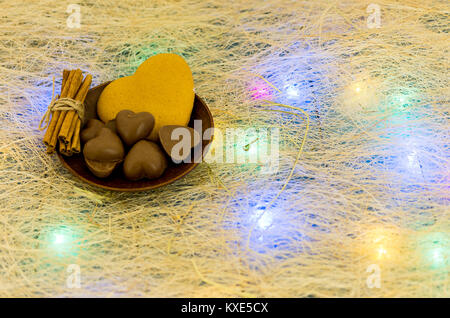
<point x="144" y="160"/>
<point x="92" y="128"/>
<point x="162" y="85"/>
<point x="103" y="153"/>
<point x="133" y="127"/>
<point x="178" y="141"/>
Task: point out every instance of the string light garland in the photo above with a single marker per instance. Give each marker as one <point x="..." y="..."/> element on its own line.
<point x="362" y="174"/>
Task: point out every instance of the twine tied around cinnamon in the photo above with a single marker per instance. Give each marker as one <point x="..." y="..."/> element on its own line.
<point x="61" y="104"/>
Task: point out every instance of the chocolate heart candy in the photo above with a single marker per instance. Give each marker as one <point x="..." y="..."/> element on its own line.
<point x="133" y="127"/>
<point x="178" y="141"/>
<point x="103" y="153"/>
<point x="144" y="160"/>
<point x="91" y="130"/>
<point x="112" y="125"/>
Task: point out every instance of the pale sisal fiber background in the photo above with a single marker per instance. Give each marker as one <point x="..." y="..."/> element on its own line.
<point x="371" y="185"/>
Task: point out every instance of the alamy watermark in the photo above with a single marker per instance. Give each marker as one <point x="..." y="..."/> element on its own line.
<point x="73" y="21"/>
<point x="74" y="276"/>
<point x="374" y="18"/>
<point x="374" y="279"/>
<point x="234" y="145"/>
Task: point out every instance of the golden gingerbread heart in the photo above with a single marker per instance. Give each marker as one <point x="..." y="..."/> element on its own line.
<point x="162" y="85"/>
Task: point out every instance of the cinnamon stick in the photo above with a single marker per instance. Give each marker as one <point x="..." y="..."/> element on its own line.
<point x="76" y="146"/>
<point x="71" y="130"/>
<point x="55" y="116"/>
<point x="70" y="122"/>
<point x="66" y="74"/>
<point x="76" y="125"/>
<point x="63" y="149"/>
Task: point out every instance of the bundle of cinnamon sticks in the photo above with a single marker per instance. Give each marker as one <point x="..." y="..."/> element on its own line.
<point x="65" y="125"/>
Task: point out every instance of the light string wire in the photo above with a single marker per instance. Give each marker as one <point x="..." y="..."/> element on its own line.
<point x="291" y="173"/>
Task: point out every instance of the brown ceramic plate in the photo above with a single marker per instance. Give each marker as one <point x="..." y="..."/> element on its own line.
<point x="116" y="181"/>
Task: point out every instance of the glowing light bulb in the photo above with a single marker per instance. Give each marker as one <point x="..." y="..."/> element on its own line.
<point x="382" y="244"/>
<point x="435" y="249"/>
<point x="292" y="91"/>
<point x="382" y="252"/>
<point x="260" y="90"/>
<point x="411" y="159"/>
<point x="401" y="100"/>
<point x="59" y="239"/>
<point x="358" y="89"/>
<point x="437" y="256"/>
<point x="264" y="218"/>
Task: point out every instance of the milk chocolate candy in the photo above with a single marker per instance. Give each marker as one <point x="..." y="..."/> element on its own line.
<point x="93" y="127"/>
<point x="112" y="125"/>
<point x="144" y="160"/>
<point x="133" y="127"/>
<point x="103" y="153"/>
<point x="178" y="141"/>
